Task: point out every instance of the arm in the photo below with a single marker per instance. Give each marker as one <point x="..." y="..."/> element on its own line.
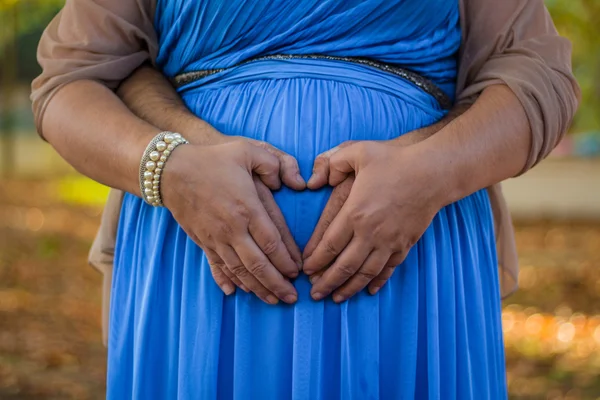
<point x="149" y="95"/>
<point x="371" y="236"/>
<point x="107" y="150"/>
<point x="95" y="132"/>
<point x="486" y="145"/>
<point x="517" y="68"/>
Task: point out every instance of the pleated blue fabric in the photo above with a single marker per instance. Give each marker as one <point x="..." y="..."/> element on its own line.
<point x="433" y="332"/>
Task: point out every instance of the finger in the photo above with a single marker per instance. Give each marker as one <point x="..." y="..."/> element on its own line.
<point x="267" y="237"/>
<point x="346" y="265"/>
<point x="387" y="272"/>
<point x="237" y="268"/>
<point x="234" y="279"/>
<point x="215" y="260"/>
<point x="320" y="172"/>
<point x="371" y="268"/>
<point x="265" y="165"/>
<point x="335" y="239"/>
<point x="289" y="169"/>
<point x="334" y="205"/>
<point x="344" y="162"/>
<point x="274" y="212"/>
<point x="316" y="276"/>
<point x="216" y="268"/>
<point x="261" y="268"/>
<point x="320" y="175"/>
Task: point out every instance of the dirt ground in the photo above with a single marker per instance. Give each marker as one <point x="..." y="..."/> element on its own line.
<point x="50" y="337"/>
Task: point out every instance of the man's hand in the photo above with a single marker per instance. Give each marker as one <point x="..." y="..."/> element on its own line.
<point x="394" y="197"/>
<point x="340" y="193"/>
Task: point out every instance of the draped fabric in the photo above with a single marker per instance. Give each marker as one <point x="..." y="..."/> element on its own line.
<point x="433" y="331"/>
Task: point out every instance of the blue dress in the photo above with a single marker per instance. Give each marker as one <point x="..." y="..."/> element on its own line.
<point x="432" y="332"/>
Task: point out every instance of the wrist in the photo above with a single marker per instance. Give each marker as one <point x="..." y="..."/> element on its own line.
<point x="155" y="159"/>
<point x="197" y="131"/>
<point x="441" y="170"/>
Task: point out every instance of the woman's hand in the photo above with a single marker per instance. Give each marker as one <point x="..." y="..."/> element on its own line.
<point x="394" y="197"/>
<point x="211" y="193"/>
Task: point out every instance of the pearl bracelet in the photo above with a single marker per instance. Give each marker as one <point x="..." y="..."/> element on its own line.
<point x="153" y="161"/>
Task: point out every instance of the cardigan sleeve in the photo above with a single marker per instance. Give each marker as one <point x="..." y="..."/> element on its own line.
<point x="101" y="40"/>
<point x="514" y="42"/>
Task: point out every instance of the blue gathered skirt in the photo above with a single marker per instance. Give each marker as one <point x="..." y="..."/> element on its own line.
<point x="432" y="332"/>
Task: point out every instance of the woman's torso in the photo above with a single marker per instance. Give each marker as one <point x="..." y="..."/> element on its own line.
<point x="420" y="35"/>
<point x="306" y="107"/>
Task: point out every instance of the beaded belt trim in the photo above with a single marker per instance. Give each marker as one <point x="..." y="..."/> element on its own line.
<point x="421" y="82"/>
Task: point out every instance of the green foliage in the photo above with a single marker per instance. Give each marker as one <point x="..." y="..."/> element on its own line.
<point x="579" y="20"/>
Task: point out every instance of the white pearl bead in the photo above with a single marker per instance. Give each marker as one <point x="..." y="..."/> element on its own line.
<point x="150" y="165"/>
<point x="150" y="199"/>
<point x="147" y="184"/>
<point x="155" y="155"/>
<point x="163" y="158"/>
<point x="168" y="138"/>
<point x="177" y="135"/>
<point x="158" y="171"/>
<point x="160" y="164"/>
<point x="161" y="146"/>
<point x="148" y="175"/>
<point x="148" y="192"/>
<point x="167" y="153"/>
<point x="156" y="178"/>
<point x="171" y="147"/>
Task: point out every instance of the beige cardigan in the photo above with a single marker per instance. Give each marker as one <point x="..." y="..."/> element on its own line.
<point x="511" y="42"/>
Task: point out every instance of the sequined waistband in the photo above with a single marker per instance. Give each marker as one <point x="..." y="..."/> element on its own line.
<point x="421" y="82"/>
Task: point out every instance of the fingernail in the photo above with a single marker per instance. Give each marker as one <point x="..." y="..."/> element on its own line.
<point x="317" y="296"/>
<point x="244" y="288"/>
<point x="374" y="290"/>
<point x="299" y="179"/>
<point x="228" y="289"/>
<point x="314" y="278"/>
<point x="299" y="263"/>
<point x="272" y="299"/>
<point x="311" y="180"/>
<point x="290" y="298"/>
<point x="338" y="298"/>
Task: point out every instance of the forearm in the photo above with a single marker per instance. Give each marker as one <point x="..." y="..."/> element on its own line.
<point x="150" y="96"/>
<point x="96" y="133"/>
<point x="419" y="135"/>
<point x="487" y="144"/>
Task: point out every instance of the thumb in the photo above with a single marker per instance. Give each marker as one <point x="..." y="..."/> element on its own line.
<point x="320" y="175"/>
<point x="343" y="163"/>
<point x="265" y="165"/>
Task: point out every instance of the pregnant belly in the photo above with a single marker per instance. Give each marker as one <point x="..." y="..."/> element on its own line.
<point x="304" y="117"/>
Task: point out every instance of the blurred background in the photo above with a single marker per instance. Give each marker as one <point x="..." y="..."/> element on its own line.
<point x="50" y="300"/>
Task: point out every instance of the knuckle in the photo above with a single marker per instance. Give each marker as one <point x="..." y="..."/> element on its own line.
<point x="346" y="270"/>
<point x="270" y="246"/>
<point x="217" y="264"/>
<point x="321" y="158"/>
<point x="238" y="270"/>
<point x="239" y="212"/>
<point x="224" y="230"/>
<point x="368" y="275"/>
<point x="330" y="247"/>
<point x="359" y="216"/>
<point x="257" y="267"/>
